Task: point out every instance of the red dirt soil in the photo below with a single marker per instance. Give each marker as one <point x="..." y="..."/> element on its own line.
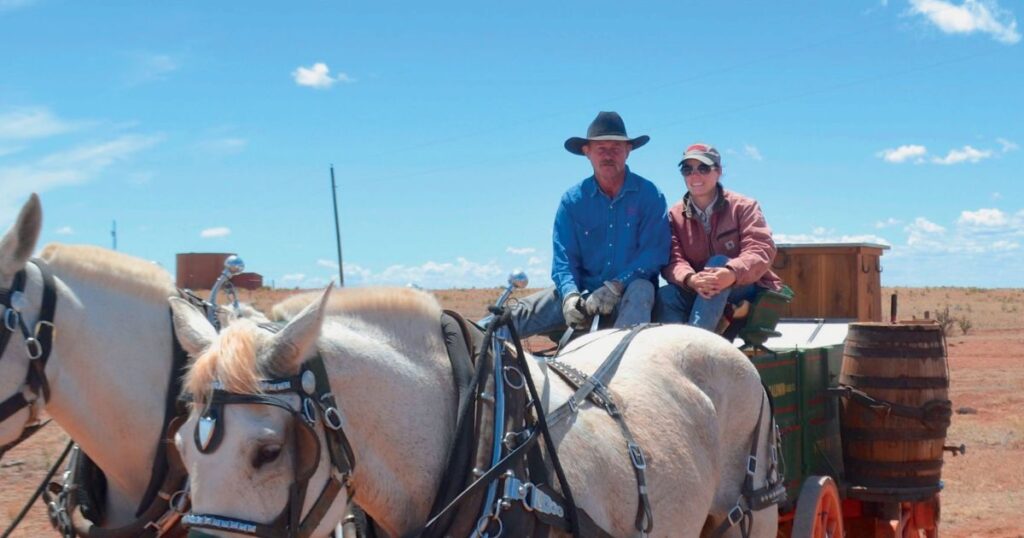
<point x="984" y="489"/>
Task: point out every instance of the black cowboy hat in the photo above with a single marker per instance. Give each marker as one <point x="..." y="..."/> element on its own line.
<point x="606" y="126"/>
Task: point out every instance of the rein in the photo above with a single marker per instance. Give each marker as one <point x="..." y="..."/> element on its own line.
<point x="38" y="345"/>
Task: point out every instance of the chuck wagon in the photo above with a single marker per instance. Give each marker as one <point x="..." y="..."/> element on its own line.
<point x="861" y="406"/>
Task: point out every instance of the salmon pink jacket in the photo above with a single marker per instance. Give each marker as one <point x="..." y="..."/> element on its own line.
<point x="738" y="231"/>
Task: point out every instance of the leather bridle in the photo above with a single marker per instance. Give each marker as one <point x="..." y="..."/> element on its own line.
<point x="317" y="402"/>
<point x="38" y="341"/>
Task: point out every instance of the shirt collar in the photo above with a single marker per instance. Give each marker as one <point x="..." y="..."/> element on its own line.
<point x="690" y="209"/>
<point x="631" y="183"/>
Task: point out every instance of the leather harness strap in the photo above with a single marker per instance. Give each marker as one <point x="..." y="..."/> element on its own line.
<point x="750" y="499"/>
<point x="38" y="342"/>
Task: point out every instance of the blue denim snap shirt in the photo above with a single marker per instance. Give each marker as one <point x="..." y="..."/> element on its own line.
<point x="597" y="238"/>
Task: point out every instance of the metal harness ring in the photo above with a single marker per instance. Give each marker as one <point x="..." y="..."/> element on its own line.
<point x="11" y="319"/>
<point x="33" y="347"/>
<point x="515" y="386"/>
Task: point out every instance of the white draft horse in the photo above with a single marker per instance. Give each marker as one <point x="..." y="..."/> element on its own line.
<point x="690" y="398"/>
<point x="110" y="365"/>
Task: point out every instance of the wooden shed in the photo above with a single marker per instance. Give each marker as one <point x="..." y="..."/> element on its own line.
<point x="832" y="280"/>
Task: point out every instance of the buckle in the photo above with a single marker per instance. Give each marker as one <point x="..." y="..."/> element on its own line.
<point x="538" y="501"/>
<point x="332" y="418"/>
<point x="573" y="406"/>
<point x="751" y="465"/>
<point x="637" y="456"/>
<point x="611" y="408"/>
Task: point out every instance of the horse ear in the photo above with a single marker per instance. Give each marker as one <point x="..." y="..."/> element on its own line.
<point x="19" y="242"/>
<point x="291" y="345"/>
<point x="192" y="328"/>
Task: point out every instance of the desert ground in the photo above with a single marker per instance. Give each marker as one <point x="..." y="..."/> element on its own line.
<point x="984" y="489"/>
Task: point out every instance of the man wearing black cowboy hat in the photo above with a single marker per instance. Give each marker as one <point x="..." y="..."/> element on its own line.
<point x="611" y="237"/>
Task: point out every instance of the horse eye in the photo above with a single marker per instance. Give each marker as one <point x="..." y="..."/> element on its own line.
<point x="265" y="454"/>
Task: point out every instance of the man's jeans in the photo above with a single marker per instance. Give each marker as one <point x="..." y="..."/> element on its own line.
<point x="541" y="313"/>
<point x="679" y="305"/>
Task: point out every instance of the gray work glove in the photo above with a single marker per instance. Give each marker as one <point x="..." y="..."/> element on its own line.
<point x="604" y="300"/>
<point x="572" y="311"/>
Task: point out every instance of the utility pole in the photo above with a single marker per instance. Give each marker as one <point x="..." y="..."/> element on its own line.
<point x="113" y="234"/>
<point x="337" y="230"/>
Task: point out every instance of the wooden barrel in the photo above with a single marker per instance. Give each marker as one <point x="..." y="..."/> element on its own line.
<point x="896" y="408"/>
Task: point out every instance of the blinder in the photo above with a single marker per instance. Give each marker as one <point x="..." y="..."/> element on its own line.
<point x="38" y="343"/>
<point x="316" y="399"/>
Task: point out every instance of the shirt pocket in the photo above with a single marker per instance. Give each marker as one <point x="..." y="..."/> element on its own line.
<point x="728" y="243"/>
<point x="590" y="237"/>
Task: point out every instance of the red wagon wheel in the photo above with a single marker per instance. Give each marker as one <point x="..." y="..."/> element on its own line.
<point x="819" y="511"/>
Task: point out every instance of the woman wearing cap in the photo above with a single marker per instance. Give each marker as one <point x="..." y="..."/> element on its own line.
<point x="722" y="248"/>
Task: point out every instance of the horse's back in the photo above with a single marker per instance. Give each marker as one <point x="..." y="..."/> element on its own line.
<point x="672" y="384"/>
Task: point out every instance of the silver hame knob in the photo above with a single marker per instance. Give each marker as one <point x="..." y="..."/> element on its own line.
<point x="234" y="265"/>
<point x="518" y="279"/>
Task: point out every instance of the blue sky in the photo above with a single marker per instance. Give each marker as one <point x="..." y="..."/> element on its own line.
<point x="210" y="127"/>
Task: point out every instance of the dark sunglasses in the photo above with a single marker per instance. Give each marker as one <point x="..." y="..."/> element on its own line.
<point x="702" y="170"/>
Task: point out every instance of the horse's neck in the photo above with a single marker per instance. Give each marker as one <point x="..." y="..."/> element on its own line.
<point x="109" y="374"/>
<point x="400" y="417"/>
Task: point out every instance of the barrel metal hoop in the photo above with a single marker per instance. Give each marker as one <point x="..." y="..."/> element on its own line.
<point x="902" y="382"/>
<point x="886" y="434"/>
<point x="893" y="352"/>
<point x="884" y="467"/>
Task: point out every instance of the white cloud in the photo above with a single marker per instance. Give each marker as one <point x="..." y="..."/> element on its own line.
<point x="520" y="251"/>
<point x="753" y="152"/>
<point x="969" y="17"/>
<point x="224" y="146"/>
<point x="330" y="264"/>
<point x="923" y="225"/>
<point x="65" y="230"/>
<point x="997" y="196"/>
<point x="535" y="260"/>
<point x="802" y="239"/>
<point x="10" y="5"/>
<point x="1007" y="145"/>
<point x="293" y="277"/>
<point x="150" y="67"/>
<point x="966" y="154"/>
<point x="462" y="273"/>
<point x="10" y="150"/>
<point x="904" y="153"/>
<point x="821" y="234"/>
<point x="983" y="217"/>
<point x="77" y="165"/>
<point x="925" y="235"/>
<point x="318" y="76"/>
<point x="887" y="223"/>
<point x="1003" y="245"/>
<point x="218" y="231"/>
<point x="29" y="123"/>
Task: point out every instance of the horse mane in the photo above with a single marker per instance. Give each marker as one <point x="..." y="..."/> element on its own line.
<point x="236" y="359"/>
<point x="231" y="360"/>
<point x="358" y="302"/>
<point x="108" y="268"/>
